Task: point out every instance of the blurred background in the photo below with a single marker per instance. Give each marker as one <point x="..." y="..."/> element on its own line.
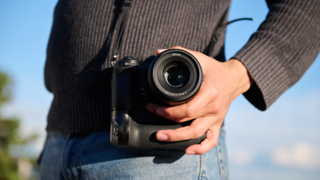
<point x="280" y="143"/>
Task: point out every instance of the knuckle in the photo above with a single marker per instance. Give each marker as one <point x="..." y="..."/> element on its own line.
<point x="196" y="132"/>
<point x="191" y="111"/>
<point x="167" y="112"/>
<point x="214" y="93"/>
<point x="216" y="108"/>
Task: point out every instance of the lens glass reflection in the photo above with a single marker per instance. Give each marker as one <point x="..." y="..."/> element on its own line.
<point x="176" y="74"/>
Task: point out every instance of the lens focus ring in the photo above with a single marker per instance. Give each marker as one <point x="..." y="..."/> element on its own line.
<point x="174" y="77"/>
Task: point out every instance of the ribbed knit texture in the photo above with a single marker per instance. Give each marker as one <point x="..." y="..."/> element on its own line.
<point x="79" y="54"/>
<point x="282" y="49"/>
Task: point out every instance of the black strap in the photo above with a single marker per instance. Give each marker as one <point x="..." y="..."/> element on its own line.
<point x="123" y="20"/>
<point x="208" y="51"/>
<point x="218" y="31"/>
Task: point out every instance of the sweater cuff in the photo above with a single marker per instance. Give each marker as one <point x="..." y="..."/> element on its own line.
<point x="270" y="78"/>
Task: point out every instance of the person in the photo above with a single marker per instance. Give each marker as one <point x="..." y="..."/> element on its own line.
<point x="78" y="72"/>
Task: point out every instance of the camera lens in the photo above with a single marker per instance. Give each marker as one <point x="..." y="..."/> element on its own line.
<point x="174" y="77"/>
<point x="176" y="74"/>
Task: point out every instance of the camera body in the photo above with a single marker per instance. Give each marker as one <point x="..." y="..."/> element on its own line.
<point x="172" y="78"/>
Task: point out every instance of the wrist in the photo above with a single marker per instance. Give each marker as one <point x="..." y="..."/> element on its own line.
<point x="241" y="76"/>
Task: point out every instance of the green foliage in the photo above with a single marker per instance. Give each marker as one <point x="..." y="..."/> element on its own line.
<point x="8" y="132"/>
<point x="9" y="137"/>
<point x="4" y="88"/>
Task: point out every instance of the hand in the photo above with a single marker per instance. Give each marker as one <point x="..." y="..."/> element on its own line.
<point x="222" y="83"/>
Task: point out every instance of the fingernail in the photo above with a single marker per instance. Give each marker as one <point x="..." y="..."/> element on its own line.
<point x="162" y="137"/>
<point x="190" y="153"/>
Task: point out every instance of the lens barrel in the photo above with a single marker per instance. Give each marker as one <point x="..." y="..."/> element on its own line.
<point x="174" y="77"/>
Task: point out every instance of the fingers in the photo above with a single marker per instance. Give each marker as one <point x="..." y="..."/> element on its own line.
<point x="207" y="108"/>
<point x="176" y="47"/>
<point x="182" y="48"/>
<point x="210" y="142"/>
<point x="195" y="130"/>
<point x="196" y="107"/>
<point x="160" y="51"/>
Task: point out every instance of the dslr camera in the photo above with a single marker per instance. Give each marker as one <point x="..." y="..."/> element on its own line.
<point x="172" y="78"/>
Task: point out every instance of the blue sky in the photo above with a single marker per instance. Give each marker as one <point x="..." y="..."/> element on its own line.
<point x="281" y="143"/>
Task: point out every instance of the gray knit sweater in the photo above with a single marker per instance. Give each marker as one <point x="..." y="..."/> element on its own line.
<point x="79" y="53"/>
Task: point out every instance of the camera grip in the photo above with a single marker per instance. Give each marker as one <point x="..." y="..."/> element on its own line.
<point x="127" y="133"/>
<point x="144" y="136"/>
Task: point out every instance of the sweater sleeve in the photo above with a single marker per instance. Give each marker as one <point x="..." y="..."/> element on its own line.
<point x="282" y="49"/>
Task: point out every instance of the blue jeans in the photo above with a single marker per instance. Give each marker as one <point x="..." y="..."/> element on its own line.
<point x="91" y="157"/>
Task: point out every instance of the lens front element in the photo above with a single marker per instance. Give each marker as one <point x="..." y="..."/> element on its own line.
<point x="176" y="74"/>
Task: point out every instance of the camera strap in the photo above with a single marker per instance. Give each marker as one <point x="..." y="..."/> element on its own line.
<point x="218" y="31"/>
<point x="123" y="19"/>
<point x="208" y="51"/>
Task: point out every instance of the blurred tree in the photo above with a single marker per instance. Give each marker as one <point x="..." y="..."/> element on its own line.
<point x="10" y="166"/>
